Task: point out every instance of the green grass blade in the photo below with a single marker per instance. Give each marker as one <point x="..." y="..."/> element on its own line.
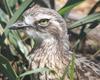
<point x="7" y="7"/>
<point x="6" y="68"/>
<point x="3" y="16"/>
<point x="16" y="15"/>
<point x="37" y="70"/>
<point x="85" y="20"/>
<point x="19" y="12"/>
<point x="69" y="6"/>
<point x="72" y="67"/>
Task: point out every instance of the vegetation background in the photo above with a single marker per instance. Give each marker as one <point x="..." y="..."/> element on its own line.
<point x="82" y="16"/>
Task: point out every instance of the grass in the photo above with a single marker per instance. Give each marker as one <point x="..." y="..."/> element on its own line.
<point x="12" y="42"/>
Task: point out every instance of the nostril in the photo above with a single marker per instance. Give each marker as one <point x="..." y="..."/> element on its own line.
<point x="20" y="24"/>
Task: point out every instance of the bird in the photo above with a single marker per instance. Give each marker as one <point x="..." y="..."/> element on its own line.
<point x="49" y="30"/>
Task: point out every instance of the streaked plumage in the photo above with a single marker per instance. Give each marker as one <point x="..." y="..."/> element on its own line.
<point x="49" y="30"/>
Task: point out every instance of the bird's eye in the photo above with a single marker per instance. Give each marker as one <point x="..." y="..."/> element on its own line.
<point x="43" y="22"/>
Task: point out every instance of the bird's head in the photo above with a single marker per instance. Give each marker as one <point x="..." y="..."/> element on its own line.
<point x="42" y="23"/>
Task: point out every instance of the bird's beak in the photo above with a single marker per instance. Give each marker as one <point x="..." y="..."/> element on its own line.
<point x="18" y="25"/>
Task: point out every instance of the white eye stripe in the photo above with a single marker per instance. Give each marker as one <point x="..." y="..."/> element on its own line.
<point x="29" y="20"/>
<point x="44" y="16"/>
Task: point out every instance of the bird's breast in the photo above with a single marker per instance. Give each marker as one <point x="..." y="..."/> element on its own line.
<point x="50" y="57"/>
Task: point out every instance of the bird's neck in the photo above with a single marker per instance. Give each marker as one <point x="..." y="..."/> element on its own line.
<point x="52" y="46"/>
<point x="50" y="49"/>
<point x="50" y="54"/>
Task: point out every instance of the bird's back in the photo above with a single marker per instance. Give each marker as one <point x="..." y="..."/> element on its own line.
<point x="86" y="69"/>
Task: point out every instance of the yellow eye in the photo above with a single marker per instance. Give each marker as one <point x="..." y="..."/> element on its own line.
<point x="43" y="22"/>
